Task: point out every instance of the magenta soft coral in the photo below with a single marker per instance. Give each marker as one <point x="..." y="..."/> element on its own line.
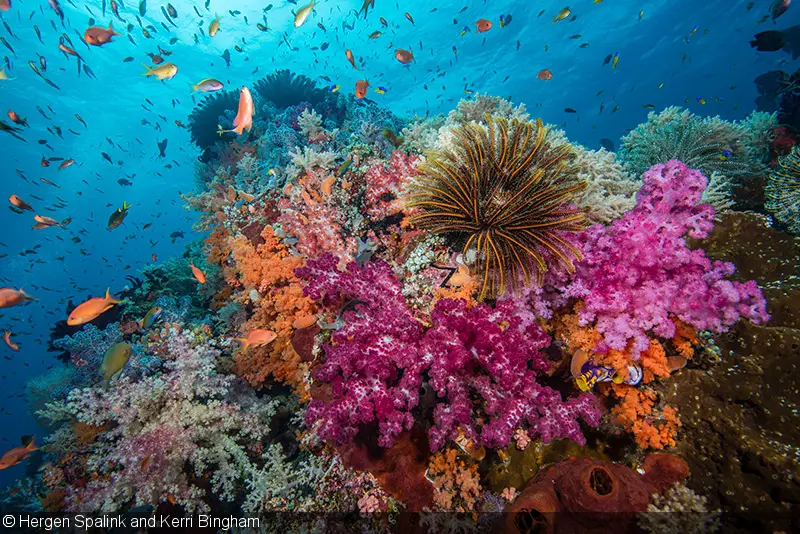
<point x="638" y="273"/>
<point x="377" y="362"/>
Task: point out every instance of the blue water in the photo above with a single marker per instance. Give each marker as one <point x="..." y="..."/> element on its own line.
<point x="715" y="64"/>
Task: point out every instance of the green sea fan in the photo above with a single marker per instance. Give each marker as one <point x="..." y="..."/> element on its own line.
<point x="783" y="191"/>
<point x="501" y="194"/>
<point x="708" y="144"/>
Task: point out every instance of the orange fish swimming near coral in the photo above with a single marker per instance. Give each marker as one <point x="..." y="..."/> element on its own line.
<point x="199" y="275"/>
<point x="11" y="297"/>
<point x="7" y="338"/>
<point x="244" y="116"/>
<point x="17" y="454"/>
<point x="361" y="88"/>
<point x="91" y="309"/>
<point x="404" y="56"/>
<point x="257" y="338"/>
<point x="483" y="25"/>
<point x="97" y="36"/>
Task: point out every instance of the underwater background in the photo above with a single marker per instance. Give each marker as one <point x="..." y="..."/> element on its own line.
<point x="596" y="71"/>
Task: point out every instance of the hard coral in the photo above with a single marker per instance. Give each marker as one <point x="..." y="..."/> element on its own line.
<point x="501" y="194"/>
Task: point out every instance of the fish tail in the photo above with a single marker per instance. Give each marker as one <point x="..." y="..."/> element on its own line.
<point x="244" y="342"/>
<point x="193" y="86"/>
<point x="31" y="446"/>
<point x="149" y="70"/>
<point x="111" y="29"/>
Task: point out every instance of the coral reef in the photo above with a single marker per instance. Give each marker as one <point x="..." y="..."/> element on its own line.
<point x="783" y="191"/>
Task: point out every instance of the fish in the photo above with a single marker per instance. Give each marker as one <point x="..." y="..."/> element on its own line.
<point x="257" y="338"/>
<point x="404" y="56"/>
<point x="768" y="41"/>
<point x="17" y="454"/>
<point x="244" y="116"/>
<point x="143" y="8"/>
<point x="569" y="110"/>
<point x="365" y="7"/>
<point x="91" y="309"/>
<point x="162" y="148"/>
<point x="349" y="54"/>
<point x="214" y="27"/>
<point x="226" y="55"/>
<point x="172" y="11"/>
<point x="615" y="61"/>
<point x="409" y="18"/>
<point x="97" y="36"/>
<point x="381" y="90"/>
<point x="545" y="74"/>
<point x="66" y="163"/>
<point x="778" y="8"/>
<point x="375" y="34"/>
<point x="505" y="20"/>
<point x="561" y="15"/>
<point x="7" y="338"/>
<point x="166" y="71"/>
<point x="114" y="361"/>
<point x="118" y="216"/>
<point x="361" y="89"/>
<point x="19" y="203"/>
<point x="5" y="5"/>
<point x="483" y="25"/>
<point x="10" y="297"/>
<point x="152" y="315"/>
<point x="303" y="13"/>
<point x="608" y="144"/>
<point x="199" y="275"/>
<point x="16" y="119"/>
<point x="47" y="222"/>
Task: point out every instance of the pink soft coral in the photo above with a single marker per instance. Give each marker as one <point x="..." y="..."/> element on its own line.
<point x="638" y="273"/>
<point x="386" y="182"/>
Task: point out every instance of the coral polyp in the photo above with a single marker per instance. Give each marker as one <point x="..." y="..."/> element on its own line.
<point x="502" y="195"/>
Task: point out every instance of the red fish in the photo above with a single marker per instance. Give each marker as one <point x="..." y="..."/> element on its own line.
<point x="350" y="58"/>
<point x="5" y="5"/>
<point x="404" y="56"/>
<point x="257" y="338"/>
<point x="16" y="119"/>
<point x="91" y="309"/>
<point x="199" y="275"/>
<point x="97" y="36"/>
<point x="45" y="162"/>
<point x="17" y="454"/>
<point x="66" y="163"/>
<point x="483" y="25"/>
<point x="545" y="74"/>
<point x="11" y="297"/>
<point x="361" y="88"/>
<point x="7" y="338"/>
<point x="19" y="203"/>
<point x="244" y="116"/>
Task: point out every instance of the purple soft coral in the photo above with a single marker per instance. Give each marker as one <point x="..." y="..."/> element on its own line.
<point x="638" y="273"/>
<point x="377" y="360"/>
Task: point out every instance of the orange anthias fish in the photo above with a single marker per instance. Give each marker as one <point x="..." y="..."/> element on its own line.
<point x="47" y="222"/>
<point x="91" y="309"/>
<point x="350" y="58"/>
<point x="7" y="338"/>
<point x="244" y="116"/>
<point x="19" y="203"/>
<point x="45" y="162"/>
<point x="11" y="297"/>
<point x="16" y="119"/>
<point x="66" y="163"/>
<point x="404" y="56"/>
<point x="483" y="25"/>
<point x="67" y="50"/>
<point x="545" y="74"/>
<point x="97" y="36"/>
<point x="199" y="275"/>
<point x="5" y="5"/>
<point x="361" y="88"/>
<point x="17" y="454"/>
<point x="257" y="338"/>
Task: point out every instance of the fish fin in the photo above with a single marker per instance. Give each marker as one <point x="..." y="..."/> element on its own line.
<point x="111" y="29"/>
<point x="193" y="86"/>
<point x="27" y="439"/>
<point x="244" y="342"/>
<point x="149" y="70"/>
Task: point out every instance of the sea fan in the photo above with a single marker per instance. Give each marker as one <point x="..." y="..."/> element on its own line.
<point x="204" y="119"/>
<point x="501" y="194"/>
<point x="284" y="89"/>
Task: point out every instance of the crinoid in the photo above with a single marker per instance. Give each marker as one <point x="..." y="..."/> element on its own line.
<point x="285" y="88"/>
<point x="783" y="191"/>
<point x="204" y="119"/>
<point x="501" y="194"/>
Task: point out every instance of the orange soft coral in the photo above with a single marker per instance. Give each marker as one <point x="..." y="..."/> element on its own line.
<point x="636" y="411"/>
<point x="456" y="485"/>
<point x="269" y="269"/>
